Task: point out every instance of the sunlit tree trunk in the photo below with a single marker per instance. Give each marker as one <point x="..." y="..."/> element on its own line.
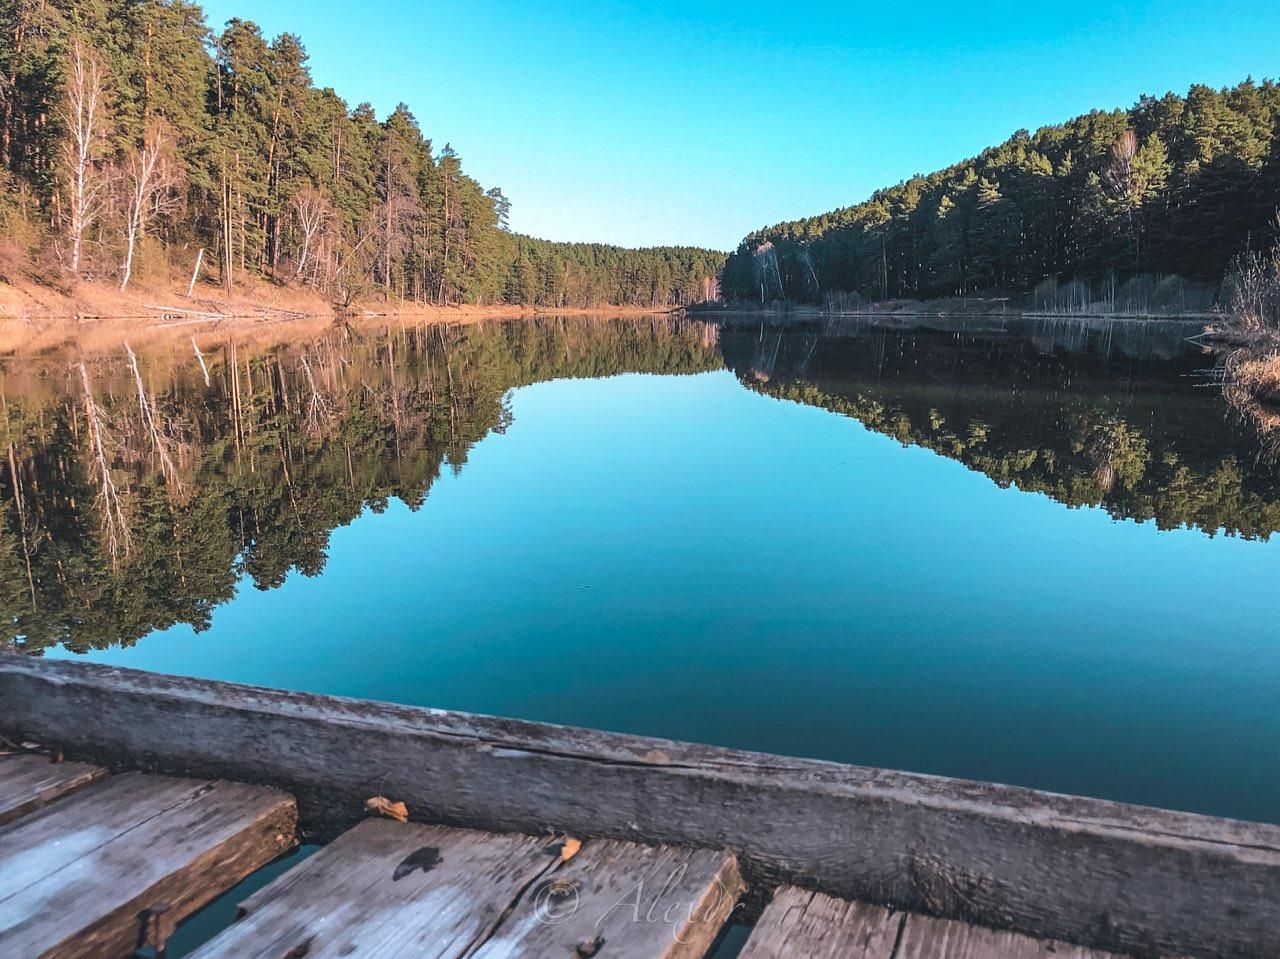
<point x="149" y="181"/>
<point x="312" y="211"/>
<point x="85" y="117"/>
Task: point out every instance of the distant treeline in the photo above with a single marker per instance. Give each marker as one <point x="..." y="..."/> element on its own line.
<point x="1175" y="186"/>
<point x="132" y="136"/>
<point x="585" y="274"/>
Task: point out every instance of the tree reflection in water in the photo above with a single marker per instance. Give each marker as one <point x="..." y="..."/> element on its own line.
<point x="140" y="488"/>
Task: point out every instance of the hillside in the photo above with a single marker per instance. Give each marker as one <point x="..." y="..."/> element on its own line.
<point x="1145" y="207"/>
<point x="133" y="137"/>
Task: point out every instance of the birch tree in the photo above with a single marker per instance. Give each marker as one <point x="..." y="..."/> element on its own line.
<point x="312" y="214"/>
<point x="150" y="179"/>
<point x="1135" y="175"/>
<point x="84" y="113"/>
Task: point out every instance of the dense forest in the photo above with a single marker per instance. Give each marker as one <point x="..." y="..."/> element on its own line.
<point x="1139" y="205"/>
<point x="132" y="136"/>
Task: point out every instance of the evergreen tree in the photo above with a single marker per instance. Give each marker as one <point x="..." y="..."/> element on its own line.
<point x="279" y="180"/>
<point x="1175" y="185"/>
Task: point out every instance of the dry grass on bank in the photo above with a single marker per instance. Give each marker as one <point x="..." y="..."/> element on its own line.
<point x="1259" y="375"/>
<point x="1248" y="338"/>
<point x="95" y="316"/>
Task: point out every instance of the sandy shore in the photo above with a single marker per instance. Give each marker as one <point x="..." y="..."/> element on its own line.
<point x="96" y="316"/>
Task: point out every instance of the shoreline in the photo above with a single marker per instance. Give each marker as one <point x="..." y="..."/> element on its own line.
<point x="97" y="316"/>
<point x="922" y="310"/>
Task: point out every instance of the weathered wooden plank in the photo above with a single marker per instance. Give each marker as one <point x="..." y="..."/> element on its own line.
<point x="384" y="890"/>
<point x="925" y="938"/>
<point x="1104" y="874"/>
<point x="75" y="876"/>
<point x="798" y="922"/>
<point x="623" y="901"/>
<point x="30" y="781"/>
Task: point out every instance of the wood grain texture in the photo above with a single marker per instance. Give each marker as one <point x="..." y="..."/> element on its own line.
<point x="924" y="938"/>
<point x="454" y="886"/>
<point x="75" y="876"/>
<point x="620" y="900"/>
<point x="30" y="781"/>
<point x="1111" y="876"/>
<point x="800" y="923"/>
<point x="384" y="890"/>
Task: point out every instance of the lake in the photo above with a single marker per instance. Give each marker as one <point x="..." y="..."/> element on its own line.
<point x="1031" y="551"/>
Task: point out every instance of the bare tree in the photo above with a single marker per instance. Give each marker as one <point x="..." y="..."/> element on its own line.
<point x="1119" y="173"/>
<point x="313" y="213"/>
<point x="150" y="178"/>
<point x="160" y="441"/>
<point x="84" y="112"/>
<point x="1254" y="282"/>
<point x="115" y="528"/>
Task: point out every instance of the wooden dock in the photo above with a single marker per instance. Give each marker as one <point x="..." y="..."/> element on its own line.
<point x="530" y="840"/>
<point x="113" y="869"/>
<point x="101" y="870"/>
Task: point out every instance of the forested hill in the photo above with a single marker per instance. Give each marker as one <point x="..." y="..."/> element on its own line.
<point x="561" y="274"/>
<point x="132" y="136"/>
<point x="1175" y="186"/>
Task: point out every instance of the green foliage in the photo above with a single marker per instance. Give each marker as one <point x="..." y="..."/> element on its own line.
<point x="592" y="274"/>
<point x="283" y="180"/>
<point x="1173" y="186"/>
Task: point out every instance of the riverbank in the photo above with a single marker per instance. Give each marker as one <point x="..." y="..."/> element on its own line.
<point x="95" y="315"/>
<point x="1248" y="351"/>
<point x="958" y="307"/>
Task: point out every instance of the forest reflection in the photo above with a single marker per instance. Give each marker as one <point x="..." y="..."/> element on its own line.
<point x="140" y="489"/>
<point x="139" y="493"/>
<point x="1122" y="416"/>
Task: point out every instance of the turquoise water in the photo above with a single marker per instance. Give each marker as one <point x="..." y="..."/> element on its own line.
<point x="692" y="556"/>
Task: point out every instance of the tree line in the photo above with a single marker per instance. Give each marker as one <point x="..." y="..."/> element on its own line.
<point x="132" y="137"/>
<point x="1174" y="186"/>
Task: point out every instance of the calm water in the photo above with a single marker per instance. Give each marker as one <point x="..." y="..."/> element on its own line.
<point x="1040" y="555"/>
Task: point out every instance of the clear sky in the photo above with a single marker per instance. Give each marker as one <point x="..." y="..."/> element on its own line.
<point x="662" y="122"/>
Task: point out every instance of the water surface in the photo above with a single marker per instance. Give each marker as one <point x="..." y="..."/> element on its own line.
<point x="1036" y="552"/>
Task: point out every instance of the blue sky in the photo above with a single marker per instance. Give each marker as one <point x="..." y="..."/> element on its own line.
<point x="697" y="122"/>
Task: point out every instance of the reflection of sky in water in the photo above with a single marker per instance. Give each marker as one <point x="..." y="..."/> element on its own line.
<point x="683" y="557"/>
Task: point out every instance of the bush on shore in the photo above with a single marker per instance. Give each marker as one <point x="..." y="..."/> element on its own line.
<point x="1255" y="292"/>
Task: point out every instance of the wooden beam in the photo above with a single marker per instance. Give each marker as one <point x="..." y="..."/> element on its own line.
<point x="621" y="900"/>
<point x="924" y="938"/>
<point x="384" y="889"/>
<point x="30" y="781"/>
<point x="78" y="877"/>
<point x="1101" y="874"/>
